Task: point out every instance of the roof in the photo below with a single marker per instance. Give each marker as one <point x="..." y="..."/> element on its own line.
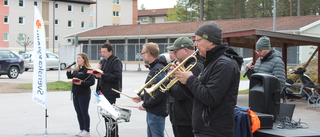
<point x="152" y="12"/>
<point x="183" y="28"/>
<point x="77" y="1"/>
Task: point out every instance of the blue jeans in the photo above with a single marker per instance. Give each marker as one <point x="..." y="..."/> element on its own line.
<point x="155" y="125"/>
<point x="81" y="105"/>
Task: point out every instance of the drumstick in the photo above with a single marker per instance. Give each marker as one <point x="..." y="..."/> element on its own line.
<point x="121" y="93"/>
<point x="127" y="106"/>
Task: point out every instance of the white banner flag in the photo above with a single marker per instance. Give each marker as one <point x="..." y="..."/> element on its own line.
<point x="39" y="87"/>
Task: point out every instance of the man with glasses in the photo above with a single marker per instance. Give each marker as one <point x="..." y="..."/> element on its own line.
<point x="181" y="109"/>
<point x="156" y="106"/>
<point x="215" y="90"/>
<point x="110" y="78"/>
<point x="269" y="61"/>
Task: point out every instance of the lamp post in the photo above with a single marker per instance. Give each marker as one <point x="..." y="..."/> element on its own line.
<point x="53" y="25"/>
<point x="139" y="39"/>
<point x="139" y="36"/>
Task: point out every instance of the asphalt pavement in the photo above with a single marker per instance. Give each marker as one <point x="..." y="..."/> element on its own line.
<point x="20" y="116"/>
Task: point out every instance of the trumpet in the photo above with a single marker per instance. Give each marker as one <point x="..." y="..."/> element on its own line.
<point x="180" y="67"/>
<point x="139" y="91"/>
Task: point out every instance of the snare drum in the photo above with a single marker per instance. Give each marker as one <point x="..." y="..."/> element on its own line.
<point x="124" y="114"/>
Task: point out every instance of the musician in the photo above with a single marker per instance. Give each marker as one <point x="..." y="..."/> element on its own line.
<point x="181" y="109"/>
<point x="215" y="90"/>
<point x="155" y="107"/>
<point x="81" y="92"/>
<point x="111" y="78"/>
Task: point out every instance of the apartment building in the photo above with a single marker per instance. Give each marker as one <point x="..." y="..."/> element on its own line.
<point x="114" y="12"/>
<point x="153" y="16"/>
<point x="61" y="18"/>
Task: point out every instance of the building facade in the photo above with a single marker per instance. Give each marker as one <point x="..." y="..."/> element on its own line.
<point x="61" y="18"/>
<point x="152" y="16"/>
<point x="114" y="12"/>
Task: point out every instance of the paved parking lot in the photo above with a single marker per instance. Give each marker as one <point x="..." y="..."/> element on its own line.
<point x="20" y="115"/>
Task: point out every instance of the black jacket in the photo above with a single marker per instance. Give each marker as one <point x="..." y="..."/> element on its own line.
<point x="215" y="92"/>
<point x="84" y="88"/>
<point x="181" y="108"/>
<point x="156" y="105"/>
<point x="111" y="77"/>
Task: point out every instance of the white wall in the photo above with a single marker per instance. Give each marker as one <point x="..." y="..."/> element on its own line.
<point x="312" y="30"/>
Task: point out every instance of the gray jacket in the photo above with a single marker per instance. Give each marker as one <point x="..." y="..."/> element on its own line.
<point x="272" y="64"/>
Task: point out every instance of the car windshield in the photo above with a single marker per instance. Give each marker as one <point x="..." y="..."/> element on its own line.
<point x="26" y="55"/>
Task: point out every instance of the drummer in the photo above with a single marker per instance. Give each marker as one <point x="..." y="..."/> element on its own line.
<point x="155" y="107"/>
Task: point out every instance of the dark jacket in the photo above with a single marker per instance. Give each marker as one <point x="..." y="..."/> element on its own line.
<point x="215" y="92"/>
<point x="84" y="88"/>
<point x="181" y="108"/>
<point x="272" y="64"/>
<point x="156" y="105"/>
<point x="111" y="77"/>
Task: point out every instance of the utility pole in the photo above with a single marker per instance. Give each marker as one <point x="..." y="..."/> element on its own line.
<point x="201" y="10"/>
<point x="298" y="14"/>
<point x="274" y="15"/>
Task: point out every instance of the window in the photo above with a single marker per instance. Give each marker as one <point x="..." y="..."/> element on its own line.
<point x="82" y="9"/>
<point x="6" y="37"/>
<point x="56" y="5"/>
<point x="21" y="3"/>
<point x="35" y="3"/>
<point x="82" y="24"/>
<point x="21" y="37"/>
<point x="56" y="22"/>
<point x="69" y="40"/>
<point x="116" y="14"/>
<point x="6" y="3"/>
<point x="69" y="7"/>
<point x="6" y="19"/>
<point x="90" y="25"/>
<point x="56" y="38"/>
<point x="70" y="23"/>
<point x="91" y="12"/>
<point x="116" y="1"/>
<point x="153" y="20"/>
<point x="21" y="20"/>
<point x="52" y="56"/>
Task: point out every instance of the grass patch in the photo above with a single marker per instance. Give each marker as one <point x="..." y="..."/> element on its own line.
<point x="51" y="86"/>
<point x="246" y="91"/>
<point x="243" y="78"/>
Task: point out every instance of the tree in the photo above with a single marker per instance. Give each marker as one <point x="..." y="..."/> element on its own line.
<point x="142" y="7"/>
<point x="171" y="15"/>
<point x="24" y="42"/>
<point x="188" y="10"/>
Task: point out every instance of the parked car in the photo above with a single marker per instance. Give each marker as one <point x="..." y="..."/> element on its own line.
<point x="52" y="61"/>
<point x="167" y="56"/>
<point x="11" y="64"/>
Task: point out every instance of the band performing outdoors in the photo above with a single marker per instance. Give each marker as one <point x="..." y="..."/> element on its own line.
<point x="197" y="88"/>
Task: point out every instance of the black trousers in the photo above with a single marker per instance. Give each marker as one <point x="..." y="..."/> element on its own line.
<point x="114" y="129"/>
<point x="182" y="131"/>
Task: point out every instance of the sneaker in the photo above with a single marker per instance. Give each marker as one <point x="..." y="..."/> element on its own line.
<point x="79" y="132"/>
<point x="84" y="133"/>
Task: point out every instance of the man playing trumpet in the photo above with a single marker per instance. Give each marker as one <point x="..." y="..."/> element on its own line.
<point x="181" y="109"/>
<point x="215" y="90"/>
<point x="156" y="105"/>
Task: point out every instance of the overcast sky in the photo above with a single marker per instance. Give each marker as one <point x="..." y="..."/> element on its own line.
<point x="156" y="4"/>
